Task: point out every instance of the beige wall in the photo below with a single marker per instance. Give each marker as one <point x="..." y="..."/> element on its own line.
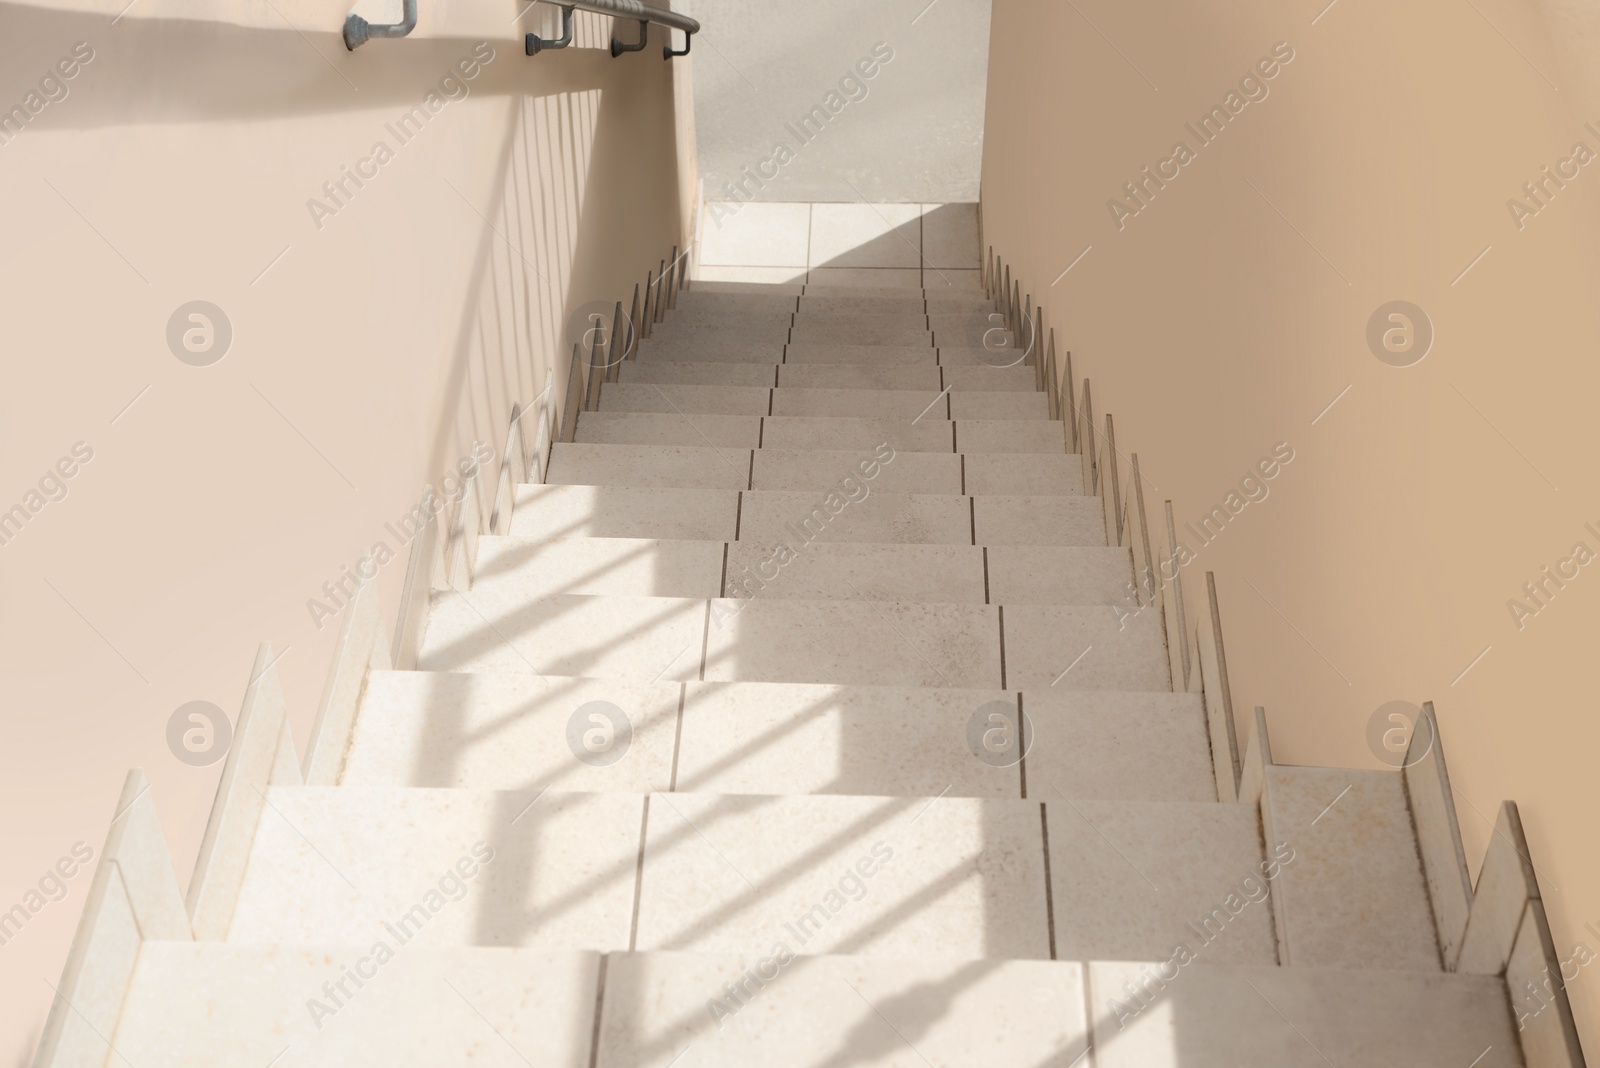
<point x="1215" y="327"/>
<point x="364" y="362"/>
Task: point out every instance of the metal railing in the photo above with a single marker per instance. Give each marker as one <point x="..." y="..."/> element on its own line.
<point x="358" y="31"/>
<point x="643" y="14"/>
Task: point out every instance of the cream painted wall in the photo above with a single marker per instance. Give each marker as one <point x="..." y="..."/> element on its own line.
<point x="1231" y="311"/>
<point x="367" y="356"/>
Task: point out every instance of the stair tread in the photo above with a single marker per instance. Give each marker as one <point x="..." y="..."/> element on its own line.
<point x="433" y="729"/>
<point x="189" y="1001"/>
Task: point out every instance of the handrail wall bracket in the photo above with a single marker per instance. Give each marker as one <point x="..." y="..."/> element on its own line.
<point x="534" y="44"/>
<point x="358" y="31"/>
<point x="618" y="47"/>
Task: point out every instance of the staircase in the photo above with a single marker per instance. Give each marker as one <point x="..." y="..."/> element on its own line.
<point x="801" y="716"/>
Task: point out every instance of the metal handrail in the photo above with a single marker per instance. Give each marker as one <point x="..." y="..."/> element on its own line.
<point x="642" y="13"/>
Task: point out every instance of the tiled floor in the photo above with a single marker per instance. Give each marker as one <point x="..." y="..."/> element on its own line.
<point x="899" y="245"/>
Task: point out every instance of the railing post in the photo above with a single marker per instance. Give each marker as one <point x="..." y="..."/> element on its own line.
<point x="631" y="352"/>
<point x="569" y="413"/>
<point x="614" y="361"/>
<point x="672" y="281"/>
<point x="1148" y="583"/>
<point x="1177" y="597"/>
<point x="649" y="286"/>
<point x="1053" y="398"/>
<point x="1116" y="484"/>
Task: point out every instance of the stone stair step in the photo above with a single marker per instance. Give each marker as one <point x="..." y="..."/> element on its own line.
<point x="855" y="376"/>
<point x="614" y="637"/>
<point x="865" y="643"/>
<point x="943" y="574"/>
<point x="512" y="571"/>
<point x="685" y="373"/>
<point x="915" y="353"/>
<point x="513" y="731"/>
<point x="930" y="433"/>
<point x="1355" y="896"/>
<point x="546" y="512"/>
<point x="1037" y="574"/>
<point x="201" y="1005"/>
<point x="1112" y="745"/>
<point x="856" y="403"/>
<point x="977" y="376"/>
<point x="694" y="400"/>
<point x="1060" y="520"/>
<point x="675" y="466"/>
<point x="346" y="865"/>
<point x="1038" y="474"/>
<point x="836" y="1010"/>
<point x="768" y="517"/>
<point x="1131" y="880"/>
<point x="996" y="404"/>
<point x="710" y="350"/>
<point x="946" y="877"/>
<point x="668" y="428"/>
<point x="1009" y="436"/>
<point x="996" y="357"/>
<point x="846" y="471"/>
<point x="1260" y="1017"/>
<point x="1083" y="647"/>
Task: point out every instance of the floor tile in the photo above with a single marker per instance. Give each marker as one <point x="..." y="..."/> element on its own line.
<point x="755" y="235"/>
<point x="950" y="235"/>
<point x="865" y="235"/>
